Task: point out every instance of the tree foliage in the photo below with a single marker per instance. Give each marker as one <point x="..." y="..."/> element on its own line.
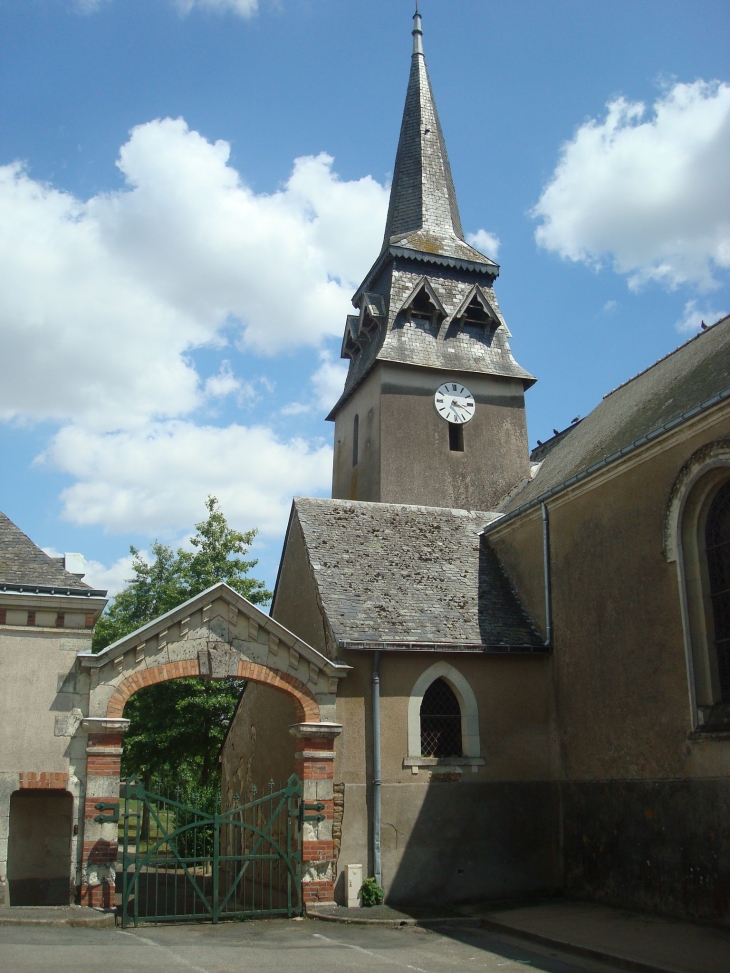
<point x="218" y="555"/>
<point x="178" y="727"/>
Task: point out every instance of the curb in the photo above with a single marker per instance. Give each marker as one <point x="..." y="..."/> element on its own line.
<point x="324" y="916"/>
<point x="614" y="959"/>
<point x="492" y="925"/>
<point x="105" y="920"/>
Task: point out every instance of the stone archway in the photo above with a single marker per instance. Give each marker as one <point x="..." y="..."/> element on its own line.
<point x="216" y="635"/>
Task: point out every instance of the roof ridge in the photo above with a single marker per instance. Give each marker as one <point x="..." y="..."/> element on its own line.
<point x="669" y="354"/>
<point x="384" y="505"/>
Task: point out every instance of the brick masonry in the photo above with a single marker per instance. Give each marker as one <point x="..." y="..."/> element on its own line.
<point x="43" y="781"/>
<point x="314" y="765"/>
<point x="104" y="763"/>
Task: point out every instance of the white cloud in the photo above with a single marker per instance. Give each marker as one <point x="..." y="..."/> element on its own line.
<point x="610" y="306"/>
<point x="226" y="383"/>
<point x="485" y="242"/>
<point x="327" y="381"/>
<point x="693" y="317"/>
<point x="244" y="8"/>
<point x="87" y="6"/>
<point x="103" y="301"/>
<point x="154" y="478"/>
<point x="100" y="301"/>
<point x="651" y="193"/>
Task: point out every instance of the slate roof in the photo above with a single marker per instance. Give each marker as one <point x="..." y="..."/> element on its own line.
<point x="23" y="562"/>
<point x="410" y="574"/>
<point x="423" y="213"/>
<point x="667" y="393"/>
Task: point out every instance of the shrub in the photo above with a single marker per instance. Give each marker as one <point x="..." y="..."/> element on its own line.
<point x="371" y="893"/>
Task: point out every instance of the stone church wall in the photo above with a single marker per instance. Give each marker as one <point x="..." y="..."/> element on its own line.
<point x="644" y="801"/>
<point x="452" y="834"/>
<point x="259" y="747"/>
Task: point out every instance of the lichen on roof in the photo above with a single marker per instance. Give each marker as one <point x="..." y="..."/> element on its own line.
<point x="406" y="573"/>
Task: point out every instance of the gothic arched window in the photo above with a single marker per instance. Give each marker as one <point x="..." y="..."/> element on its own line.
<point x="440" y="721"/>
<point x="717" y="550"/>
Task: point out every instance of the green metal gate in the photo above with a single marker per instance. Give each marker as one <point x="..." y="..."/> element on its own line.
<point x="194" y="865"/>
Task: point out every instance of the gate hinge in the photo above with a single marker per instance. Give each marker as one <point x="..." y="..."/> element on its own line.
<point x="112" y="818"/>
<point x="316" y="818"/>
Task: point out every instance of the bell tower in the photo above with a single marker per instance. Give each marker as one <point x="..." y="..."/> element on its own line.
<point x="433" y="408"/>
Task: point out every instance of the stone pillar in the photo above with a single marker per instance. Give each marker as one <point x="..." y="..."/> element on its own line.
<point x="315" y="768"/>
<point x="103" y="770"/>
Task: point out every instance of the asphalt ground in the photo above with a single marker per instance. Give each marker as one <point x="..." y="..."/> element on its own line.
<point x="272" y="946"/>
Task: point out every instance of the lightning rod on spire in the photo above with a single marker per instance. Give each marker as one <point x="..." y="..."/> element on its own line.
<point x="417" y="32"/>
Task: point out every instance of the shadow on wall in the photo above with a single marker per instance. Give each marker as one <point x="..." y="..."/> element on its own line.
<point x="657" y="846"/>
<point x="469" y="841"/>
<point x="39" y="848"/>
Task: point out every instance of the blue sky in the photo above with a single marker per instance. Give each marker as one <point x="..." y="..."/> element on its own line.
<point x="172" y="300"/>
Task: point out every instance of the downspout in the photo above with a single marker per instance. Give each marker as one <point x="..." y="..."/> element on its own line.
<point x="546" y="575"/>
<point x="377" y="865"/>
<point x="548" y="642"/>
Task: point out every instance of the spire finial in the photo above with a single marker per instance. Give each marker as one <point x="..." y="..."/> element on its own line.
<point x="417" y="32"/>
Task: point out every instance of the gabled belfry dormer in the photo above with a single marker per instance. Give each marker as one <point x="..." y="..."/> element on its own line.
<point x="428" y="315"/>
<point x="478" y="316"/>
<point x="423" y="308"/>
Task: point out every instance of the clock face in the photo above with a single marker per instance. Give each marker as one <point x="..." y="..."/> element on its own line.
<point x="454" y="402"/>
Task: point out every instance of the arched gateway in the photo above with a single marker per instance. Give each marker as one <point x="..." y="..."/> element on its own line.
<point x="217" y="634"/>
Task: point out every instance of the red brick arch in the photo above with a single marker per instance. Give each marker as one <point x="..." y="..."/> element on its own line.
<point x="306" y="704"/>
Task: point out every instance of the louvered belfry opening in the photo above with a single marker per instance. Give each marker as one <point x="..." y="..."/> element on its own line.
<point x="440" y="721"/>
<point x="717" y="546"/>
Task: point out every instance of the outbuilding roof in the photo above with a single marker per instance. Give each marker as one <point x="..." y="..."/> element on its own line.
<point x="688" y="380"/>
<point x="23" y="563"/>
<point x="401" y="576"/>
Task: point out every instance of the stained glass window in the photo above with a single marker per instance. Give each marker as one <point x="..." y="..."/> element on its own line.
<point x="717" y="546"/>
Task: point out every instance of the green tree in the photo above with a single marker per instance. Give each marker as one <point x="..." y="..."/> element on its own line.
<point x="178" y="727"/>
<point x="218" y="555"/>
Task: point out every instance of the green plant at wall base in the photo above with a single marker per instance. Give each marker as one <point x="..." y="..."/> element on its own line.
<point x="371" y="893"/>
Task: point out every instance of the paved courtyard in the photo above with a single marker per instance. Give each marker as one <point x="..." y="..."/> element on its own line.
<point x="275" y="946"/>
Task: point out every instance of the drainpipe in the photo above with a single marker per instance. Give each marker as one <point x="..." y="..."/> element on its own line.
<point x="377" y="866"/>
<point x="548" y="642"/>
<point x="546" y="574"/>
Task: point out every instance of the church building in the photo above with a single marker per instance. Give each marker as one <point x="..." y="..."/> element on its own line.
<point x="538" y="697"/>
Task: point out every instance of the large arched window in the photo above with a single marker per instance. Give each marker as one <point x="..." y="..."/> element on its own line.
<point x="697" y="536"/>
<point x="440" y="721"/>
<point x="717" y="552"/>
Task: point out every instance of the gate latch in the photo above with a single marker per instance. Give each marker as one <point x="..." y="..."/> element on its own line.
<point x="313" y="817"/>
<point x="112" y="818"/>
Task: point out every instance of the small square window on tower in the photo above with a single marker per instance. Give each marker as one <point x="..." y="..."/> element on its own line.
<point x="456" y="437"/>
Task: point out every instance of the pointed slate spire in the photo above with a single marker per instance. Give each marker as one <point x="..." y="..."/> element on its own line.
<point x="423" y="212"/>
